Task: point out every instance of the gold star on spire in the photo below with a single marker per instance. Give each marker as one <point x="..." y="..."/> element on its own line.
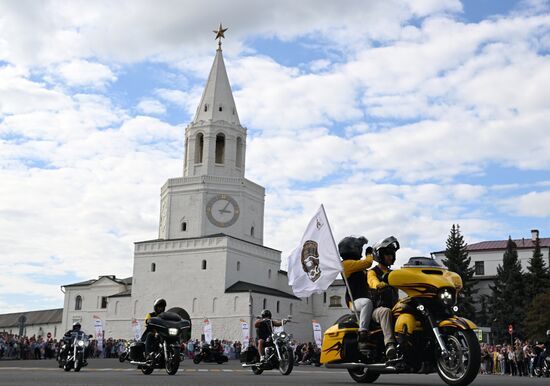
<point x="219" y="35"/>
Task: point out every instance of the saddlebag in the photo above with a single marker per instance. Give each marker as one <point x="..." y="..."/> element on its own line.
<point x="250" y="355"/>
<point x="137" y="351"/>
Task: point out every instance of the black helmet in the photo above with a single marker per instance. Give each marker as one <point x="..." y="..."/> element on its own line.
<point x="76" y="326"/>
<point x="388" y="246"/>
<point x="266" y="314"/>
<point x="350" y="247"/>
<point x="159" y="303"/>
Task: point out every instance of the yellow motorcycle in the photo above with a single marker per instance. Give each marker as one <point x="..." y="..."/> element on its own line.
<point x="430" y="335"/>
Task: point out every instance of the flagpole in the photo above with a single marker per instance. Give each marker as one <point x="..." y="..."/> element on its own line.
<point x="342" y="273"/>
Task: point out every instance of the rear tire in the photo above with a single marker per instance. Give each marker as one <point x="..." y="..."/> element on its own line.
<point x="172" y="367"/>
<point x="363" y="376"/>
<point x="256" y="370"/>
<point x="147" y="370"/>
<point x="197" y="359"/>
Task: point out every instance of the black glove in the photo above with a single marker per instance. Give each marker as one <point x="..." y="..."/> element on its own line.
<point x="369" y="251"/>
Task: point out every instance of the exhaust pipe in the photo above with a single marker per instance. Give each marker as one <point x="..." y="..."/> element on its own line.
<point x="138" y="363"/>
<point x="377" y="367"/>
<point x="249" y="364"/>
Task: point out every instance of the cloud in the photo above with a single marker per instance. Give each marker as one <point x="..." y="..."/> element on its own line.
<point x="532" y="204"/>
<point x="85" y="73"/>
<point x="151" y="106"/>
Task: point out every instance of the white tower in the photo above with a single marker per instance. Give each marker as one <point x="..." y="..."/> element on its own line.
<point x="213" y="196"/>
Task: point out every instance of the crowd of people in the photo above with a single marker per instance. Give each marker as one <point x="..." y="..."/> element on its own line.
<point x="518" y="359"/>
<point x="23" y="347"/>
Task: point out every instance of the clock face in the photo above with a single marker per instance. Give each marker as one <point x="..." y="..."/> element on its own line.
<point x="222" y="210"/>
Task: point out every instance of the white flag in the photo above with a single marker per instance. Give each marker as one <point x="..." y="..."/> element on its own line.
<point x="317" y="335"/>
<point x="315" y="263"/>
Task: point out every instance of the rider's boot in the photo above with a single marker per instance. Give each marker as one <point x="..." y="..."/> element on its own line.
<point x="391" y="351"/>
<point x="362" y="338"/>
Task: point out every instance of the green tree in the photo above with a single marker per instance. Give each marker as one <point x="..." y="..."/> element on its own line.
<point x="457" y="260"/>
<point x="537" y="276"/>
<point x="508" y="296"/>
<point x="483" y="317"/>
<point x="538" y="317"/>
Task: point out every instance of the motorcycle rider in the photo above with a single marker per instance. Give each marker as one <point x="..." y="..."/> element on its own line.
<point x="545" y="353"/>
<point x="150" y="336"/>
<point x="350" y="249"/>
<point x="263" y="330"/>
<point x="384" y="296"/>
<point x="68" y="339"/>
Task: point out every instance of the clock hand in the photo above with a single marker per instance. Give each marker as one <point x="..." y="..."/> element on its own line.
<point x="225" y="207"/>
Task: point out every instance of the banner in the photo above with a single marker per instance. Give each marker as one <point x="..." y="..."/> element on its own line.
<point x="246" y="334"/>
<point x="98" y="325"/>
<point x="317" y="335"/>
<point x="207" y="331"/>
<point x="315" y="263"/>
<point x="136" y="328"/>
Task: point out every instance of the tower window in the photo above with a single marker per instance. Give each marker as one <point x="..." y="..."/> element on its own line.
<point x="153" y="267"/>
<point x="184" y="226"/>
<point x="220" y="148"/>
<point x="238" y="265"/>
<point x="252" y="231"/>
<point x="278" y="305"/>
<point x="220" y="108"/>
<point x="204" y="264"/>
<point x="199" y="147"/>
<point x="78" y="303"/>
<point x="264" y="304"/>
<point x="205" y="107"/>
<point x="269" y="274"/>
<point x="239" y="158"/>
<point x="324" y="297"/>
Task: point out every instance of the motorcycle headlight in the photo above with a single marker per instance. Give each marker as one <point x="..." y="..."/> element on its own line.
<point x="283" y="335"/>
<point x="80" y="343"/>
<point x="447" y="297"/>
<point x="173" y="331"/>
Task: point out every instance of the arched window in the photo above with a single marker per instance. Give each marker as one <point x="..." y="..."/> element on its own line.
<point x="116" y="308"/>
<point x="199" y="147"/>
<point x="214" y="302"/>
<point x="153" y="267"/>
<point x="184" y="226"/>
<point x="205" y="108"/>
<point x="239" y="158"/>
<point x="204" y="264"/>
<point x="252" y="231"/>
<point x="278" y="305"/>
<point x="264" y="304"/>
<point x="269" y="274"/>
<point x="194" y="305"/>
<point x="186" y="152"/>
<point x="235" y="303"/>
<point x="78" y="303"/>
<point x="335" y="301"/>
<point x="324" y="297"/>
<point x="238" y="265"/>
<point x="220" y="148"/>
<point x="220" y="108"/>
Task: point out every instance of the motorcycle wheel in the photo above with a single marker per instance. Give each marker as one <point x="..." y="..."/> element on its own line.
<point x="172" y="366"/>
<point x="363" y="376"/>
<point x="197" y="359"/>
<point x="287" y="361"/>
<point x="462" y="365"/>
<point x="68" y="366"/>
<point x="122" y="357"/>
<point x="147" y="370"/>
<point x="77" y="368"/>
<point x="256" y="370"/>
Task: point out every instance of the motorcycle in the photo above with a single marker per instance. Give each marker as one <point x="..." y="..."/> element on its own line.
<point x="171" y="327"/>
<point x="278" y="354"/>
<point x="73" y="351"/>
<point x="208" y="355"/>
<point x="544" y="370"/>
<point x="431" y="336"/>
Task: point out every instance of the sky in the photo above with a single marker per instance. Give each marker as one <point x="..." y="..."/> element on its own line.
<point x="401" y="117"/>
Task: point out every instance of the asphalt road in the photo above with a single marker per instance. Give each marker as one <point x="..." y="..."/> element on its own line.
<point x="111" y="372"/>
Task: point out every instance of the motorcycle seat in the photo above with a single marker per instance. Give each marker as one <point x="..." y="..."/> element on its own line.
<point x="350" y="321"/>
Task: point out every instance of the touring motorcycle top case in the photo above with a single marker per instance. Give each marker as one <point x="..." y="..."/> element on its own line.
<point x="431" y="336"/>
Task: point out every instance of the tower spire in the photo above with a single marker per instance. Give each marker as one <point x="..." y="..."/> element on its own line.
<point x="219" y="35"/>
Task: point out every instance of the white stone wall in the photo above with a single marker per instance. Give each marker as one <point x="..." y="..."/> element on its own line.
<point x="37" y="330"/>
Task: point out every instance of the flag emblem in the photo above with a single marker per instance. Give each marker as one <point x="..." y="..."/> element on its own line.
<point x="310" y="260"/>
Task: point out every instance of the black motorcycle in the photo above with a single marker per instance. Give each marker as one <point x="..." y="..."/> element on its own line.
<point x="278" y="355"/>
<point x="208" y="355"/>
<point x="170" y="328"/>
<point x="544" y="369"/>
<point x="72" y="354"/>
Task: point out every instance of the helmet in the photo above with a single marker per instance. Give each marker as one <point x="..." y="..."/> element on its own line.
<point x="159" y="303"/>
<point x="350" y="248"/>
<point x="76" y="326"/>
<point x="266" y="314"/>
<point x="388" y="246"/>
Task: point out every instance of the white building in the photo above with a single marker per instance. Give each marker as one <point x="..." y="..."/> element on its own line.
<point x="40" y="324"/>
<point x="488" y="255"/>
<point x="209" y="256"/>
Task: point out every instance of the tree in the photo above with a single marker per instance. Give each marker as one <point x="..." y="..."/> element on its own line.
<point x="508" y="295"/>
<point x="537" y="277"/>
<point x="483" y="317"/>
<point x="538" y="317"/>
<point x="457" y="260"/>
